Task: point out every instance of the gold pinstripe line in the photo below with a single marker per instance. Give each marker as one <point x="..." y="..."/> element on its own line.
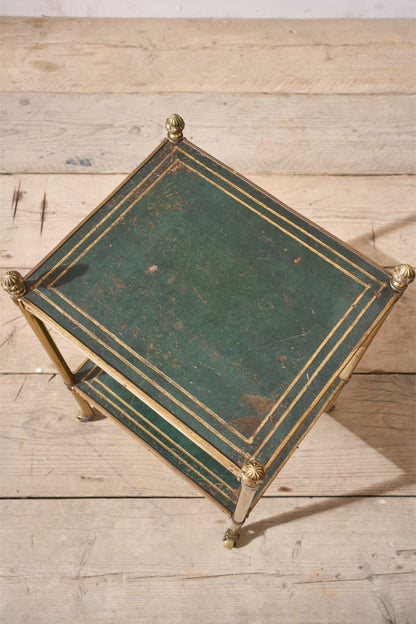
<point x="98" y="381"/>
<point x="126" y="362"/>
<point x="111" y="225"/>
<point x="317" y="399"/>
<point x="43" y="277"/>
<point x="318" y="253"/>
<point x="162" y="444"/>
<point x="276" y="213"/>
<point x="200" y="404"/>
<point x="152" y="403"/>
<point x="210" y="496"/>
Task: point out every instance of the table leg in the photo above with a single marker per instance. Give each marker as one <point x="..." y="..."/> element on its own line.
<point x="347" y="371"/>
<point x="14" y="284"/>
<point x="85" y="413"/>
<point x="253" y="476"/>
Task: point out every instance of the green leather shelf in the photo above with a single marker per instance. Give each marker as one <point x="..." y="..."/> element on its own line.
<point x="160" y="437"/>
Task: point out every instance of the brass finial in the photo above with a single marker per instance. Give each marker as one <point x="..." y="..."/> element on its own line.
<point x="174" y="125"/>
<point x="13" y="283"/>
<point x="401" y="277"/>
<point x="253" y="474"/>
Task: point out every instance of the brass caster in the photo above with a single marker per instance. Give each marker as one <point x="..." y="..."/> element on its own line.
<point x="229" y="543"/>
<point x="82" y="417"/>
<point x="231" y="538"/>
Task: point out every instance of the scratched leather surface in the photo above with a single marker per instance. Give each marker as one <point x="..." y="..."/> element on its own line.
<point x="228" y="309"/>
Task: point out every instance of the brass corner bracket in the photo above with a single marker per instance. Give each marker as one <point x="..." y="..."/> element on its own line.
<point x="174" y="125"/>
<point x="402" y="275"/>
<point x="13" y="283"/>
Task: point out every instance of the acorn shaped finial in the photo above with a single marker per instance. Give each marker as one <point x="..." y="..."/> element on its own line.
<point x="13" y="283"/>
<point x="253" y="474"/>
<point x="174" y="125"/>
<point x="401" y="277"/>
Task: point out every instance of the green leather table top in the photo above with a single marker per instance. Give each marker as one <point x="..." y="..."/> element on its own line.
<point x="222" y="309"/>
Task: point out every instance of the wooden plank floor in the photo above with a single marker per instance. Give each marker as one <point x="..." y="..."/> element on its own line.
<point x="94" y="529"/>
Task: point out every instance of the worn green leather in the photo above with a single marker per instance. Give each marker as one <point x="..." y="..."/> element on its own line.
<point x="225" y="307"/>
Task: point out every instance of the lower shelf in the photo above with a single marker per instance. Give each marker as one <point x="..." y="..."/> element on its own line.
<point x="158" y="435"/>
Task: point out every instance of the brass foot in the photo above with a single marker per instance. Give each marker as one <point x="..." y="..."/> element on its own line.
<point x="83" y="417"/>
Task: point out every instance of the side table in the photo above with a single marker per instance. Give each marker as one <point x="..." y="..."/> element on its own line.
<point x="217" y="323"/>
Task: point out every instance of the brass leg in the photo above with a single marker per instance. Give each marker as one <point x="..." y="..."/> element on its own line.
<point x="85" y="413"/>
<point x="253" y="475"/>
<point x="332" y="404"/>
<point x="58" y="361"/>
<point x="50" y="347"/>
<point x="14" y="284"/>
<point x="347" y="371"/>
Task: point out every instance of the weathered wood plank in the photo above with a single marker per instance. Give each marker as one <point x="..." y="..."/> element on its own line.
<point x="309" y="560"/>
<point x="376" y="215"/>
<point x="256" y="134"/>
<point x="192" y="33"/>
<point x="366" y="446"/>
<point x="190" y="56"/>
